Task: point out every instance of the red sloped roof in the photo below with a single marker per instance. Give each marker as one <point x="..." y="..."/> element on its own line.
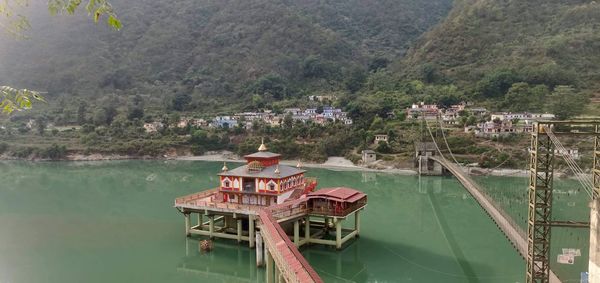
<point x="339" y="194"/>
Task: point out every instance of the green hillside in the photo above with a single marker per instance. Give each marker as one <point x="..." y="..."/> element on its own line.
<point x="550" y="42"/>
<point x="214" y="50"/>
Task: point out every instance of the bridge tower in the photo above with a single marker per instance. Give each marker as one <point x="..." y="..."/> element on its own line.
<point x="541" y="166"/>
<point x="423" y="162"/>
<point x="539" y="218"/>
<point x="594" y="263"/>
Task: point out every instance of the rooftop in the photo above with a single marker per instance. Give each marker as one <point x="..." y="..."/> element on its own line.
<point x="262" y="154"/>
<point x="267" y="172"/>
<point x="341" y="194"/>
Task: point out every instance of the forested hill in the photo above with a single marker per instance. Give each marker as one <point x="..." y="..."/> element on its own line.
<point x="553" y="40"/>
<point x="215" y="48"/>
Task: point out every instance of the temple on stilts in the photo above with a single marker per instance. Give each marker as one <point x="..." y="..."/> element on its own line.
<point x="276" y="209"/>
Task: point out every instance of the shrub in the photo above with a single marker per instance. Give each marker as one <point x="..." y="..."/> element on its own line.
<point x="53" y="152"/>
<point x="198" y="149"/>
<point x="23" y="152"/>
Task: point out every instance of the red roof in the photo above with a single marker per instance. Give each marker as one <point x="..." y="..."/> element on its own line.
<point x="339" y="194"/>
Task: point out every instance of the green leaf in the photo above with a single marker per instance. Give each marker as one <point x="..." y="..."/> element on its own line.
<point x="90" y="6"/>
<point x="114" y="22"/>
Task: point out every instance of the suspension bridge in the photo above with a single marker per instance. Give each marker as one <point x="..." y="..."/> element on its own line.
<point x="534" y="244"/>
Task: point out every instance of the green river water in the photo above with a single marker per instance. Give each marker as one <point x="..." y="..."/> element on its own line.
<point x="115" y="222"/>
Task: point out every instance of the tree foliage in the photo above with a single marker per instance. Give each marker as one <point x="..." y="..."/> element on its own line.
<point x="16" y="22"/>
<point x="12" y="99"/>
<point x="543" y="42"/>
<point x="565" y="102"/>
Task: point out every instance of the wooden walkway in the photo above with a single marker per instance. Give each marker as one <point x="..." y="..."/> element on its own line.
<point x="288" y="259"/>
<point x="513" y="232"/>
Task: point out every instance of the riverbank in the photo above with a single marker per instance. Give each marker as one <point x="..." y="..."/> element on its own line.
<point x="332" y="163"/>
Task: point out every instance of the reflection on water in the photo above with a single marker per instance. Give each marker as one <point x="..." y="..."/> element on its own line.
<point x="570" y="203"/>
<point x="114" y="222"/>
<point x="232" y="262"/>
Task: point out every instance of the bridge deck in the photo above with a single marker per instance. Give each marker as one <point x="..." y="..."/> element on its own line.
<point x="514" y="233"/>
<point x="292" y="264"/>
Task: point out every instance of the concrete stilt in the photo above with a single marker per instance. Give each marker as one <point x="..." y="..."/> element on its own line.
<point x="187" y="224"/>
<point x="211" y="226"/>
<point x="269" y="262"/>
<point x="200" y="221"/>
<point x="226" y="221"/>
<point x="239" y="230"/>
<point x="338" y="233"/>
<point x="259" y="250"/>
<point x="187" y="246"/>
<point x="297" y="233"/>
<point x="307" y="229"/>
<point x="594" y="264"/>
<point x="277" y="273"/>
<point x="357" y="222"/>
<point x="251" y="230"/>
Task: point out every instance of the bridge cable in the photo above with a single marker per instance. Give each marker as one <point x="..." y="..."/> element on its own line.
<point x="434" y="142"/>
<point x="579" y="174"/>
<point x="446" y="141"/>
<point x="575" y="168"/>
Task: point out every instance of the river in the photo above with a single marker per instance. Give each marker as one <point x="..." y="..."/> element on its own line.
<point x="114" y="221"/>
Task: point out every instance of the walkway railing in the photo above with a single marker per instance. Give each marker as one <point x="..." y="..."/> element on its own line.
<point x="292" y="265"/>
<point x="196" y="196"/>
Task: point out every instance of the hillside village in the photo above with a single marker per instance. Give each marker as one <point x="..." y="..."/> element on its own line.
<point x="477" y="120"/>
<point x="246" y="119"/>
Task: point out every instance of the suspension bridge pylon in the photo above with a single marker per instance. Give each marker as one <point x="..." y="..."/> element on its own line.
<point x="540" y="192"/>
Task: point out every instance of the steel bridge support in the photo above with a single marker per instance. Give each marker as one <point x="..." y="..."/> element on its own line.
<point x="596" y="168"/>
<point x="594" y="256"/>
<point x="540" y="206"/>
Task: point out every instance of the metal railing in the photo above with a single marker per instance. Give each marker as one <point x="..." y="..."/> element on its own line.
<point x="196" y="196"/>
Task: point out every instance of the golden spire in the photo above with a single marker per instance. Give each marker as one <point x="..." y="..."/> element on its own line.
<point x="224" y="169"/>
<point x="262" y="146"/>
<point x="277" y="170"/>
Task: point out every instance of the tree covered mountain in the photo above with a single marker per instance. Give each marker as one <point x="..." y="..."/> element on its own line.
<point x="213" y="49"/>
<point x="542" y="41"/>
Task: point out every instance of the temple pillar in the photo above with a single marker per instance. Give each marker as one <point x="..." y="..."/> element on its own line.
<point x="338" y="233"/>
<point x="187" y="224"/>
<point x="259" y="250"/>
<point x="307" y="229"/>
<point x="277" y="273"/>
<point x="297" y="233"/>
<point x="357" y="222"/>
<point x="251" y="230"/>
<point x="269" y="262"/>
<point x="211" y="226"/>
<point x="239" y="230"/>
